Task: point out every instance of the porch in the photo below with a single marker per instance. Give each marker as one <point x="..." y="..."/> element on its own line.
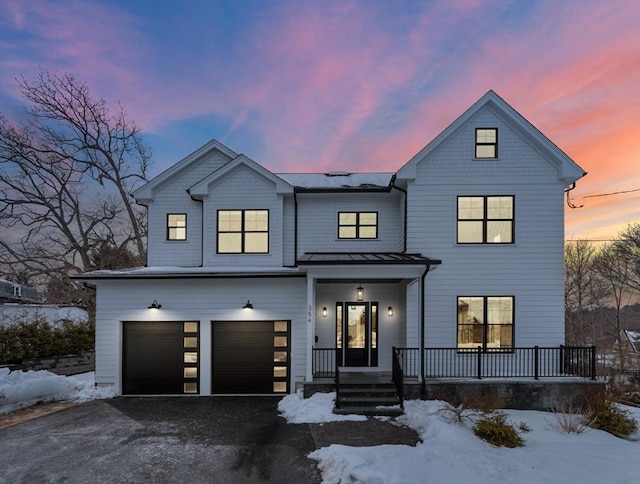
<point x="534" y="378"/>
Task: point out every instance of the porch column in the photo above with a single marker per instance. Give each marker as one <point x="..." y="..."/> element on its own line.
<point x="311" y="325"/>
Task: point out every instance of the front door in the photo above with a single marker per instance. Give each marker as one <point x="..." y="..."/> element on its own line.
<point x="359" y="325"/>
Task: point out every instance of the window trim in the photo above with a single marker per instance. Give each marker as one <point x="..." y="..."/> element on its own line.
<point x="169" y="227"/>
<point x="485" y="220"/>
<point x="478" y="143"/>
<point x="242" y="231"/>
<point x="486" y="325"/>
<point x="358" y="225"/>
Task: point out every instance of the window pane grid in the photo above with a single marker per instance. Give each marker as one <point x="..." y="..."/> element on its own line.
<point x="243" y="231"/>
<point x="486" y="143"/>
<point x="485" y="219"/>
<point x="176" y="226"/>
<point x="485" y="321"/>
<point x="357" y="225"/>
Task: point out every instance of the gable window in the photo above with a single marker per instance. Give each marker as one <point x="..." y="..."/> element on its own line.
<point x="357" y="225"/>
<point x="486" y="219"/>
<point x="176" y="226"/>
<point x="485" y="321"/>
<point x="486" y="142"/>
<point x="243" y="231"/>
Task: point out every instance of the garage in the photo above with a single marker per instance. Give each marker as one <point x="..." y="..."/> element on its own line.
<point x="160" y="358"/>
<point x="250" y="357"/>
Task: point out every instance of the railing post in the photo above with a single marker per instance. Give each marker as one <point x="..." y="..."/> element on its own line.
<point x="337" y="380"/>
<point x="536" y="362"/>
<point x="593" y="362"/>
<point x="562" y="358"/>
<point x="479" y="362"/>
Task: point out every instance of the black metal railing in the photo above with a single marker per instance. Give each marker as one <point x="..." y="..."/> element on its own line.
<point x="410" y="361"/>
<point x="324" y="362"/>
<point x="397" y="375"/>
<point x="531" y="362"/>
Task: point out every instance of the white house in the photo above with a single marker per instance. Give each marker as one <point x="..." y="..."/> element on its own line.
<point x="250" y="273"/>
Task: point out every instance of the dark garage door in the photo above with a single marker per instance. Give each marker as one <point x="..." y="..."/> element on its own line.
<point x="250" y="357"/>
<point x="160" y="358"/>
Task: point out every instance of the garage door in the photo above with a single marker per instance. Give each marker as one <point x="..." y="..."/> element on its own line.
<point x="250" y="357"/>
<point x="160" y="358"/>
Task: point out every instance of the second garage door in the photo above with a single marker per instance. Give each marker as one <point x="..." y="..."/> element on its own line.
<point x="250" y="357"/>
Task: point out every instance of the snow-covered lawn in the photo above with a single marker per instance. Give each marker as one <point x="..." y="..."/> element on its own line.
<point x="21" y="389"/>
<point x="449" y="453"/>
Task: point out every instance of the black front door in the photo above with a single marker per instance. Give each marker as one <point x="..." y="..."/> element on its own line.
<point x="357" y="333"/>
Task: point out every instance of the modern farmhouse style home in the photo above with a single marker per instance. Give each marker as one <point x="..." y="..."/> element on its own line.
<point x="261" y="283"/>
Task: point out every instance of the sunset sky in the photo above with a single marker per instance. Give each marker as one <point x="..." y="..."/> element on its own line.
<point x="303" y="86"/>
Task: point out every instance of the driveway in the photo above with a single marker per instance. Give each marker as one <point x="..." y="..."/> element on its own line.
<point x="160" y="440"/>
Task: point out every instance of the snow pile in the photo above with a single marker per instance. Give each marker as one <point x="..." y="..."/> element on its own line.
<point x="316" y="409"/>
<point x="451" y="453"/>
<point x="20" y="389"/>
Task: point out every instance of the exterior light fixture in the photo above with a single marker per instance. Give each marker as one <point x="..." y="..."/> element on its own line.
<point x="390" y="311"/>
<point x="324" y="312"/>
<point x="155" y="305"/>
<point x="360" y="293"/>
<point x="248" y="305"/>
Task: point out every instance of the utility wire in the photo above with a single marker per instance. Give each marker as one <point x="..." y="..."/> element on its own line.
<point x="612" y="193"/>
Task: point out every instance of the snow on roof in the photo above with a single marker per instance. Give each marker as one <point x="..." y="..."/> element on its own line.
<point x="175" y="271"/>
<point x="337" y="180"/>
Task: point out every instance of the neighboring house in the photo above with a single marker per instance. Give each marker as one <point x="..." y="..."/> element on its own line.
<point x="54" y="314"/>
<point x="248" y="271"/>
<point x="14" y="292"/>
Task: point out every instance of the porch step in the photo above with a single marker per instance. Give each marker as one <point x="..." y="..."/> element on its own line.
<point x="379" y="398"/>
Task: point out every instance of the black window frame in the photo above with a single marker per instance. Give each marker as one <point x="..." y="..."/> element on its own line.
<point x="482" y="143"/>
<point x="485" y="325"/>
<point x="169" y="227"/>
<point x="358" y="224"/>
<point x="485" y="219"/>
<point x="243" y="231"/>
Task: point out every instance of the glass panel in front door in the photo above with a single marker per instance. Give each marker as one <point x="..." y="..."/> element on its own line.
<point x="357" y="326"/>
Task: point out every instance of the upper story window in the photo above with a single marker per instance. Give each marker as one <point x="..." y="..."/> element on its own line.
<point x="486" y="220"/>
<point x="486" y="142"/>
<point x="485" y="321"/>
<point x="357" y="225"/>
<point x="243" y="231"/>
<point x="176" y="226"/>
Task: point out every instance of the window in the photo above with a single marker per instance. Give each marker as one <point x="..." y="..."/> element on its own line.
<point x="485" y="220"/>
<point x="485" y="321"/>
<point x="243" y="231"/>
<point x="357" y="225"/>
<point x="176" y="226"/>
<point x="486" y="142"/>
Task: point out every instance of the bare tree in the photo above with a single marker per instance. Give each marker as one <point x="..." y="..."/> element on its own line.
<point x="66" y="172"/>
<point x="627" y="247"/>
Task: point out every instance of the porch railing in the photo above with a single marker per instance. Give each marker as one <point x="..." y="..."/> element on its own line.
<point x="410" y="361"/>
<point x="397" y="375"/>
<point x="324" y="362"/>
<point x="530" y="362"/>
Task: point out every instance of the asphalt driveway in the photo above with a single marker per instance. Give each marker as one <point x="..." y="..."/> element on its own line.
<point x="160" y="440"/>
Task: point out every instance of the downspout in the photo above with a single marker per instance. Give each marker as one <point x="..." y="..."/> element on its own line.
<point x="422" y="320"/>
<point x="404" y="240"/>
<point x="295" y="228"/>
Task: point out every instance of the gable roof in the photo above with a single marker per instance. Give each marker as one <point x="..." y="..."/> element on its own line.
<point x="201" y="189"/>
<point x="145" y="192"/>
<point x="568" y="170"/>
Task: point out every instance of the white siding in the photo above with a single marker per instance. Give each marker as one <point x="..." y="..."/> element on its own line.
<point x="318" y="222"/>
<point x="173" y="198"/>
<point x="531" y="269"/>
<point x="203" y="300"/>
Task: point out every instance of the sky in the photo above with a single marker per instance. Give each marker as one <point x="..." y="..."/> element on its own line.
<point x="314" y="86"/>
<point x="449" y="451"/>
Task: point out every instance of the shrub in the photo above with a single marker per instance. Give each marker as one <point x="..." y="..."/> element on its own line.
<point x="494" y="429"/>
<point x="609" y="417"/>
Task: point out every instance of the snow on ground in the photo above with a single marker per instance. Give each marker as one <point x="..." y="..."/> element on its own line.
<point x="450" y="453"/>
<point x="20" y="389"/>
<point x="316" y="409"/>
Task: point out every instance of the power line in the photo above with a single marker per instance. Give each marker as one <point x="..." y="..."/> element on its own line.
<point x="612" y="193"/>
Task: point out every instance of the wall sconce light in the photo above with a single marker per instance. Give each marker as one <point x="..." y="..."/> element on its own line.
<point x="390" y="311"/>
<point x="324" y="312"/>
<point x="360" y="293"/>
<point x="155" y="305"/>
<point x="248" y="305"/>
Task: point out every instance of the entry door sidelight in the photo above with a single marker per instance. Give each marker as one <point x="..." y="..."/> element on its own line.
<point x="357" y="333"/>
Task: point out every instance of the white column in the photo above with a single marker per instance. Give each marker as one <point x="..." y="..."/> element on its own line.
<point x="311" y="325"/>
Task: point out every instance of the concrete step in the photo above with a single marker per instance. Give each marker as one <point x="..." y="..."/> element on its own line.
<point x="370" y="411"/>
<point x="370" y="401"/>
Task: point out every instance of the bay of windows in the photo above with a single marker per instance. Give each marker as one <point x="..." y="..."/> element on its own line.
<point x="243" y="231"/>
